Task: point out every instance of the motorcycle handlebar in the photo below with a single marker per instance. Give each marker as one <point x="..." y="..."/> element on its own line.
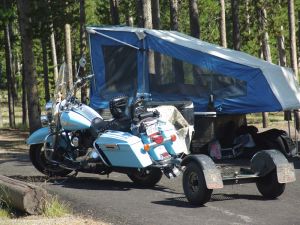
<point x="77" y="84"/>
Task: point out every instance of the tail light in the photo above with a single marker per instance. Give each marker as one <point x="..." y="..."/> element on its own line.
<point x="158" y="139"/>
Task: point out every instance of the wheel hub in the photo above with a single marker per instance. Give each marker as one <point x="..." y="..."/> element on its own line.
<point x="193" y="182"/>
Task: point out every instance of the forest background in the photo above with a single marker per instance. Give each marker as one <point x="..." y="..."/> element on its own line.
<point x="33" y="38"/>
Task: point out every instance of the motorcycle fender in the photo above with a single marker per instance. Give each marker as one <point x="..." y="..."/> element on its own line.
<point x="211" y="173"/>
<point x="265" y="161"/>
<point x="38" y="136"/>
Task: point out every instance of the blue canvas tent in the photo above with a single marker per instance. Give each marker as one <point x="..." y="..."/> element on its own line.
<point x="171" y="66"/>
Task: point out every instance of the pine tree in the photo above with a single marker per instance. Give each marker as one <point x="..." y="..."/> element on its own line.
<point x="34" y="111"/>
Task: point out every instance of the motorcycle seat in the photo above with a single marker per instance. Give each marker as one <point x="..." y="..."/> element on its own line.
<point x="99" y="125"/>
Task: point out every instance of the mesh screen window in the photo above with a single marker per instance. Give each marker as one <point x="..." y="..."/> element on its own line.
<point x="170" y="76"/>
<point x="120" y="70"/>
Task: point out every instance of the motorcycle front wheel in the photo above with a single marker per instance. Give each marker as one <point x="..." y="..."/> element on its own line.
<point x="146" y="177"/>
<point x="40" y="162"/>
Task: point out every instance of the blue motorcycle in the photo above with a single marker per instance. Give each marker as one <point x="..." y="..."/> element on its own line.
<point x="136" y="142"/>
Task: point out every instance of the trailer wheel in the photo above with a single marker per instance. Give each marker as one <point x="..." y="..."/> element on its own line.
<point x="147" y="177"/>
<point x="194" y="185"/>
<point x="269" y="186"/>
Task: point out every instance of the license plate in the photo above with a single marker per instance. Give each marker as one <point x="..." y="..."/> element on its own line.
<point x="151" y="129"/>
<point x="162" y="152"/>
<point x="286" y="173"/>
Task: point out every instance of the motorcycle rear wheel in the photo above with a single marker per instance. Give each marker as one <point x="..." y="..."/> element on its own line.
<point x="39" y="161"/>
<point x="147" y="177"/>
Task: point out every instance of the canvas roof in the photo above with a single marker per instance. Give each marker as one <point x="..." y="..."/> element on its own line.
<point x="269" y="86"/>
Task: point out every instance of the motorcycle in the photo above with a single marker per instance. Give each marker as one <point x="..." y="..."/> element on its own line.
<point x="136" y="142"/>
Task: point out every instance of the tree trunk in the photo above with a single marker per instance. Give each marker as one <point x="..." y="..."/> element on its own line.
<point x="130" y="21"/>
<point x="194" y="19"/>
<point x="299" y="39"/>
<point x="177" y="66"/>
<point x="83" y="47"/>
<point x="292" y="34"/>
<point x="235" y="24"/>
<point x="9" y="65"/>
<point x="223" y="24"/>
<point x="281" y="48"/>
<point x="54" y="56"/>
<point x="174" y="25"/>
<point x="13" y="69"/>
<point x="248" y="27"/>
<point x="139" y="13"/>
<point x="156" y="25"/>
<point x="114" y="11"/>
<point x="68" y="57"/>
<point x="45" y="68"/>
<point x="23" y="196"/>
<point x="147" y="14"/>
<point x="34" y="111"/>
<point x="155" y="14"/>
<point x="24" y="102"/>
<point x="264" y="37"/>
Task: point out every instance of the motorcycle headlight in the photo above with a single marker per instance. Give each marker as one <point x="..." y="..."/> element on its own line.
<point x="44" y="120"/>
<point x="48" y="109"/>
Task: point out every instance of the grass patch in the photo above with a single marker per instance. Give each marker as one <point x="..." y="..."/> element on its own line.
<point x="273" y="118"/>
<point x="56" y="208"/>
<point x="4" y="213"/>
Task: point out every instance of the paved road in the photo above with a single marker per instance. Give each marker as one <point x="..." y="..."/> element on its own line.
<point x="117" y="200"/>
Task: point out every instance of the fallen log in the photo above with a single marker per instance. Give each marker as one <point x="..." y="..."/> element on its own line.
<point x="23" y="196"/>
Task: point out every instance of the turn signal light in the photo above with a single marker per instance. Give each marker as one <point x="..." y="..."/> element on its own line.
<point x="173" y="137"/>
<point x="146" y="147"/>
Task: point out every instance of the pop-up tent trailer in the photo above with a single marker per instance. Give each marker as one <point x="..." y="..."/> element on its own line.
<point x="171" y="66"/>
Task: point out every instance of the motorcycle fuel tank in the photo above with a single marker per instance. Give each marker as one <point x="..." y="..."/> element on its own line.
<point x="71" y="120"/>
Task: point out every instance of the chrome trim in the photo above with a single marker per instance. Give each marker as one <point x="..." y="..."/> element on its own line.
<point x="103" y="160"/>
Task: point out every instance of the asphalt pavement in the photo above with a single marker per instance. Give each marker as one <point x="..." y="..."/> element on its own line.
<point x="115" y="199"/>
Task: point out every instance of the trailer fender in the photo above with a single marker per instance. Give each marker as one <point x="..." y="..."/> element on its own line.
<point x="211" y="173"/>
<point x="265" y="161"/>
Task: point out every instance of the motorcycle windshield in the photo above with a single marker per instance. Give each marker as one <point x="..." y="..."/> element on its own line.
<point x="60" y="91"/>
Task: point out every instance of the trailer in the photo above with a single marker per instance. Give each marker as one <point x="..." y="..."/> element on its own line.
<point x="221" y="84"/>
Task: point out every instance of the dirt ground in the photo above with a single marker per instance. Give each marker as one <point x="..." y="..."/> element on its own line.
<point x="12" y="144"/>
<point x="38" y="220"/>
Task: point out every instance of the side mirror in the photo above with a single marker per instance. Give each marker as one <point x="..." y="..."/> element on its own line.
<point x="82" y="62"/>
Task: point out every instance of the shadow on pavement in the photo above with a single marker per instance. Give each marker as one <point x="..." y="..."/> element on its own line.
<point x="226" y="197"/>
<point x="90" y="183"/>
<point x="182" y="201"/>
<point x="176" y="202"/>
<point x="93" y="183"/>
<point x="14" y="156"/>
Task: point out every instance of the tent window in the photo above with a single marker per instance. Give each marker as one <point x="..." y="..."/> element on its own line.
<point x="120" y="69"/>
<point x="170" y="76"/>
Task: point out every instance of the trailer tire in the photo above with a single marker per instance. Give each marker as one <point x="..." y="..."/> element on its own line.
<point x="146" y="179"/>
<point x="194" y="185"/>
<point x="269" y="186"/>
